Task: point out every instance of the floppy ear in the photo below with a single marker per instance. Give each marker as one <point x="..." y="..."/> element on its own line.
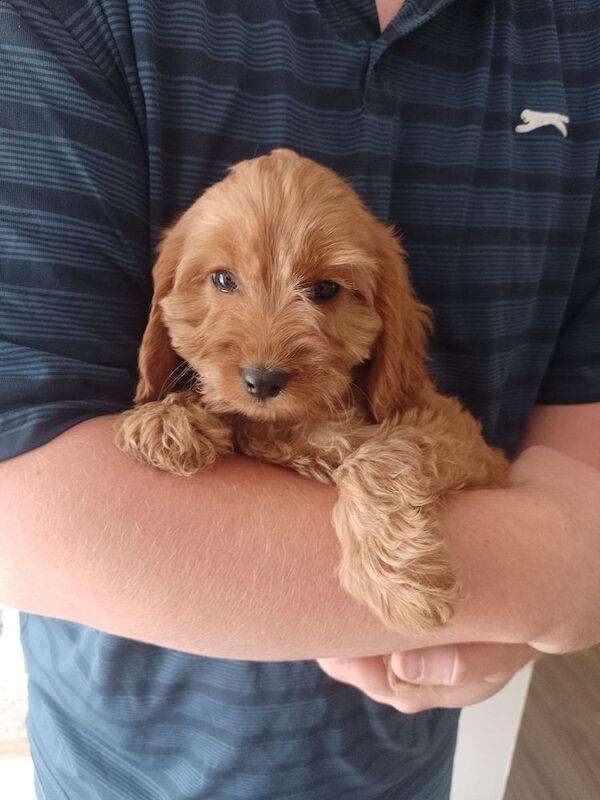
<point x="157" y="360"/>
<point x="397" y="374"/>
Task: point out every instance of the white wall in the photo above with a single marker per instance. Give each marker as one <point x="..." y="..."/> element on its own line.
<point x="487" y="735"/>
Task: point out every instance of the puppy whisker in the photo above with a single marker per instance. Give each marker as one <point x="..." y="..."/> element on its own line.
<point x="358" y="389"/>
<point x="174" y="377"/>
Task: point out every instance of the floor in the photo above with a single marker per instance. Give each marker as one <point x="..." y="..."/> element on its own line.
<point x="557" y="755"/>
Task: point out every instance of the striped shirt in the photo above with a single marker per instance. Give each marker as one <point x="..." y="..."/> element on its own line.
<point x="472" y="125"/>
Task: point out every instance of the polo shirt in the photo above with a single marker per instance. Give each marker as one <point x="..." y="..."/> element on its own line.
<point x="473" y="126"/>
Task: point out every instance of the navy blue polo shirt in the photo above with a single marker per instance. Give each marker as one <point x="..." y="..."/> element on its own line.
<point x="472" y="125"/>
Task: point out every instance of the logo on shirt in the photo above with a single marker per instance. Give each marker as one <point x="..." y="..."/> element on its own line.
<point x="538" y="119"/>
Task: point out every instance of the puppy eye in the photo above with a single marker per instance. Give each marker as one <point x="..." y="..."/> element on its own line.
<point x="324" y="290"/>
<point x="223" y="281"/>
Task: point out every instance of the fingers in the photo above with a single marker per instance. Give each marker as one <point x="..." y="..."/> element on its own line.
<point x="459" y="665"/>
<point x="368" y="674"/>
<point x="448" y="676"/>
<point x="411" y="699"/>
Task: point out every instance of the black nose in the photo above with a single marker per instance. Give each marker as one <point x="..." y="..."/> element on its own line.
<point x="262" y="382"/>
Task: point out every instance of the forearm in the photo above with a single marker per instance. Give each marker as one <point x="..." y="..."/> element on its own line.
<point x="237" y="562"/>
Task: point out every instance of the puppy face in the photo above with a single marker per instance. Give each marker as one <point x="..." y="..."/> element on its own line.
<point x="273" y="288"/>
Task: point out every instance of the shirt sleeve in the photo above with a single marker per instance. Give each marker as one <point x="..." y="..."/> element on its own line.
<point x="74" y="254"/>
<point x="573" y="374"/>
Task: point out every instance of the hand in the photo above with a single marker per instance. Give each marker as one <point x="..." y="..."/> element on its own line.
<point x="447" y="676"/>
<point x="564" y="607"/>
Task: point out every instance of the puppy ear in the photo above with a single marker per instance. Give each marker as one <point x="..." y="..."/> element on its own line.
<point x="157" y="360"/>
<point x="397" y="374"/>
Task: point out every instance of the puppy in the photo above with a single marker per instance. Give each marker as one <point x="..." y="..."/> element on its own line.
<point x="288" y="307"/>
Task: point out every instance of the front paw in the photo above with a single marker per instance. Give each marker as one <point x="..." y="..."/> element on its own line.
<point x="175" y="434"/>
<point x="409" y="594"/>
<point x="392" y="556"/>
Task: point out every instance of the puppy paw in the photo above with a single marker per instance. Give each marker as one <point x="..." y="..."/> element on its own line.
<point x="175" y="434"/>
<point x="393" y="558"/>
<point x="421" y="604"/>
<point x="415" y="598"/>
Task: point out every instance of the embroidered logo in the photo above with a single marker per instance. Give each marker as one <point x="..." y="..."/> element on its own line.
<point x="538" y="119"/>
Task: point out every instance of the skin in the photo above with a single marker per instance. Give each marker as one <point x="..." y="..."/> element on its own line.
<point x="239" y="562"/>
<point x="387" y="10"/>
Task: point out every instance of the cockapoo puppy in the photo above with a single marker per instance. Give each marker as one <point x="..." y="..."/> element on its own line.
<point x="289" y="309"/>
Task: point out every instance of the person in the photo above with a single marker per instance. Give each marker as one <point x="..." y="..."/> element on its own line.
<point x="171" y="626"/>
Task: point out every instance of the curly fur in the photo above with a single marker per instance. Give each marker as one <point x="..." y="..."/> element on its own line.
<point x="359" y="409"/>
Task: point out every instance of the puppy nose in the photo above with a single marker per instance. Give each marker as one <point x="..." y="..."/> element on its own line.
<point x="262" y="382"/>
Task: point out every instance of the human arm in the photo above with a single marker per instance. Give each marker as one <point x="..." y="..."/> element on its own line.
<point x="236" y="562"/>
<point x="462" y="674"/>
<point x="239" y="562"/>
